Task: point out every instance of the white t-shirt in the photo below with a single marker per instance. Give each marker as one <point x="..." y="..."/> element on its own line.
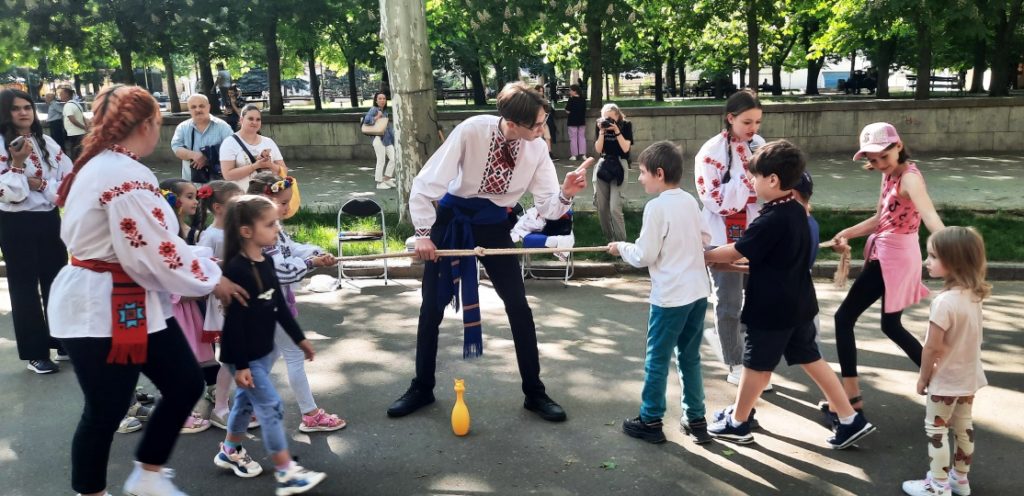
<point x="958" y="311"/>
<point x="231" y="151"/>
<point x="73" y="108"/>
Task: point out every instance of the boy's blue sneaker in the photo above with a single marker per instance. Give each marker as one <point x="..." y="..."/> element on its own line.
<point x="846" y="435"/>
<point x="723" y="429"/>
<point x="648" y="431"/>
<point x="727" y="411"/>
<point x="297" y="480"/>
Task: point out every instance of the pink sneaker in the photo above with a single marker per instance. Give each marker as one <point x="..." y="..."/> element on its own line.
<point x="321" y="421"/>
<point x="195" y="424"/>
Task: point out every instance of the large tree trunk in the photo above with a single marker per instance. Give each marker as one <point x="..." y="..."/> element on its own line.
<point x="1002" y="64"/>
<point x="978" y="78"/>
<point x="314" y="81"/>
<point x="595" y="12"/>
<point x="403" y="28"/>
<point x="670" y="76"/>
<point x="753" y="33"/>
<point x="813" y="70"/>
<point x="682" y="76"/>
<point x="886" y="49"/>
<point x="479" y="90"/>
<point x="743" y="77"/>
<point x="385" y="82"/>
<point x="124" y="55"/>
<point x="172" y="83"/>
<point x="273" y="66"/>
<point x="924" y="56"/>
<point x="777" y="79"/>
<point x="353" y="91"/>
<point x="205" y="75"/>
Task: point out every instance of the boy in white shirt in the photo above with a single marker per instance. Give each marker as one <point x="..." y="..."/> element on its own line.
<point x="671" y="245"/>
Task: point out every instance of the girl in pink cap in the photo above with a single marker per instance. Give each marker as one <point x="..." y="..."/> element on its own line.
<point x="892" y="254"/>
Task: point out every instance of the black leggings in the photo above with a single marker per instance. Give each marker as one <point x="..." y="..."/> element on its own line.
<point x="107" y="388"/>
<point x="866" y="290"/>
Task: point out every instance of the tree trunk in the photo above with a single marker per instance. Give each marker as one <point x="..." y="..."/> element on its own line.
<point x="853" y="64"/>
<point x="273" y="66"/>
<point x="670" y="76"/>
<point x="743" y="78"/>
<point x="479" y="90"/>
<point x="205" y="74"/>
<point x="595" y="12"/>
<point x="124" y="54"/>
<point x="978" y="79"/>
<point x="924" y="56"/>
<point x="813" y="70"/>
<point x="385" y="82"/>
<point x="172" y="84"/>
<point x="353" y="92"/>
<point x="777" y="79"/>
<point x="682" y="76"/>
<point x="314" y="81"/>
<point x="753" y="33"/>
<point x="1002" y="64"/>
<point x="886" y="49"/>
<point x="78" y="85"/>
<point x="499" y="76"/>
<point x="403" y="28"/>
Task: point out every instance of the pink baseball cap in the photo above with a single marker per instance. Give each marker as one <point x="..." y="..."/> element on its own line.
<point x="876" y="138"/>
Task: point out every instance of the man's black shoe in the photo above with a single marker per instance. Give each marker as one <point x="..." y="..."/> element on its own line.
<point x="545" y="407"/>
<point x="413" y="399"/>
<point x="648" y="431"/>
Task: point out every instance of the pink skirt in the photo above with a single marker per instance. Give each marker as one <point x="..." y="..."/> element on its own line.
<point x="900" y="258"/>
<point x="191" y="321"/>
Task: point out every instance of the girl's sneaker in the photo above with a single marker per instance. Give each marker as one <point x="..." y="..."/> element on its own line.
<point x="129" y="424"/>
<point x="959" y="484"/>
<point x="321" y="421"/>
<point x="195" y="424"/>
<point x="297" y="480"/>
<point x="926" y="487"/>
<point x="238" y="462"/>
<point x="140" y="411"/>
<point x="221" y="421"/>
<point x="145" y="483"/>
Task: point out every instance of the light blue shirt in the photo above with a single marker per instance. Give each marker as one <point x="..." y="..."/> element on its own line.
<point x="389" y="132"/>
<point x="215" y="134"/>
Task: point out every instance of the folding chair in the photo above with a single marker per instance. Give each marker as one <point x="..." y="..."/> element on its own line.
<point x="564" y="270"/>
<point x="361" y="208"/>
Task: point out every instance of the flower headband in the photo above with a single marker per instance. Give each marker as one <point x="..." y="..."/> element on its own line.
<point x="170" y="197"/>
<point x="279" y="186"/>
<point x="205" y="192"/>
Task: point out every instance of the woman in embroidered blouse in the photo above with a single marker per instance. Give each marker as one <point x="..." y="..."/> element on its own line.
<point x="730" y="205"/>
<point x="383" y="146"/>
<point x="246" y="152"/>
<point x="111" y="307"/>
<point x="30" y="225"/>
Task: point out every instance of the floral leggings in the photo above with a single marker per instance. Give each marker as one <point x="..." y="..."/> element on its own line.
<point x="941" y="414"/>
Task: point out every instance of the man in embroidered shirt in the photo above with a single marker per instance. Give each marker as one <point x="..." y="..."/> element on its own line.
<point x="485" y="165"/>
<point x="194" y="134"/>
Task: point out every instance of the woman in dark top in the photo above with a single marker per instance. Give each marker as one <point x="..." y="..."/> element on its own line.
<point x="233" y="109"/>
<point x="576" y="107"/>
<point x="614" y="139"/>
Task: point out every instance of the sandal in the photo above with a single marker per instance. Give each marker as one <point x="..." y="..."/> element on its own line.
<point x="321" y="421"/>
<point x="832" y="418"/>
<point x="140" y="411"/>
<point x="195" y="424"/>
<point x="129" y="424"/>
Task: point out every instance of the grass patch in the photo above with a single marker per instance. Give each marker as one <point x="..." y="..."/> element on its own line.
<point x="1003" y="231"/>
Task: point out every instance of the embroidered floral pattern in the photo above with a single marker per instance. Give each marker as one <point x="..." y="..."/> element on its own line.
<point x="127" y="187"/>
<point x="131" y="232"/>
<point x="197" y="271"/>
<point x="170" y="254"/>
<point x="158" y="214"/>
<point x="501" y="162"/>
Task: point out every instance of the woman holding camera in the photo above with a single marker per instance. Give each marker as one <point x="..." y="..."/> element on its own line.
<point x="614" y="139"/>
<point x="233" y="106"/>
<point x="31" y="168"/>
<point x="245" y="153"/>
<point x="730" y="205"/>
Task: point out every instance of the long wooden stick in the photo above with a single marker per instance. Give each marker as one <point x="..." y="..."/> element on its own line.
<point x="477" y="252"/>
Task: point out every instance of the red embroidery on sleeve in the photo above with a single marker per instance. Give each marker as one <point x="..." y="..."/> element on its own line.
<point x="197" y="271"/>
<point x="131" y="232"/>
<point x="159" y="215"/>
<point x="170" y="254"/>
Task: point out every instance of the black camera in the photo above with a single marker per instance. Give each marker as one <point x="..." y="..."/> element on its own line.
<point x="605" y="123"/>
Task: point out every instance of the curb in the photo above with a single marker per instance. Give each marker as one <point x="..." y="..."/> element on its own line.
<point x="997" y="271"/>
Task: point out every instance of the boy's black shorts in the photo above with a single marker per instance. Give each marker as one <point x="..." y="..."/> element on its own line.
<point x="764" y="349"/>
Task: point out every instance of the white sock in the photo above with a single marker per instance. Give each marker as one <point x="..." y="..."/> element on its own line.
<point x="847" y="420"/>
<point x="733" y="421"/>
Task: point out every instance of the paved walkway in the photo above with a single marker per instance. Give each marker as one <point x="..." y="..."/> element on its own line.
<point x="975" y="182"/>
<point x="592" y="345"/>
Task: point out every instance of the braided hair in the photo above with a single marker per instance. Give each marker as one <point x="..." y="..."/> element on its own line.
<point x="7" y="129"/>
<point x="212" y="193"/>
<point x="117" y="112"/>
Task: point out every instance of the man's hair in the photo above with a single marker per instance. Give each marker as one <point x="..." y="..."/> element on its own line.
<point x="68" y="91"/>
<point x="666" y="156"/>
<point x="575" y="88"/>
<point x="519" y="103"/>
<point x="781" y="158"/>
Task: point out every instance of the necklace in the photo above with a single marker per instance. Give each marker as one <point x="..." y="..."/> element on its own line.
<point x="124" y="151"/>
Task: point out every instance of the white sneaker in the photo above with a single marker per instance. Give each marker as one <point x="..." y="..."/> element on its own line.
<point x="145" y="483"/>
<point x="572" y="158"/>
<point x="959" y="485"/>
<point x="391" y="182"/>
<point x="238" y="462"/>
<point x="734" y="378"/>
<point x="297" y="480"/>
<point x="926" y="487"/>
<point x="129" y="424"/>
<point x="383" y="185"/>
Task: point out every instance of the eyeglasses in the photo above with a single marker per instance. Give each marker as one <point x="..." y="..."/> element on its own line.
<point x="536" y="124"/>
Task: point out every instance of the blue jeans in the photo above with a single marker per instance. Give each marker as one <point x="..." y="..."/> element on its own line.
<point x="678" y="329"/>
<point x="261" y="399"/>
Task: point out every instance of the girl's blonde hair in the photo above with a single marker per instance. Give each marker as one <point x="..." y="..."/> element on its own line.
<point x="961" y="250"/>
<point x="611" y="107"/>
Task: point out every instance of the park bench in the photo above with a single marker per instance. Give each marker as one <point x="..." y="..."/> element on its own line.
<point x="455" y="94"/>
<point x="936" y="82"/>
